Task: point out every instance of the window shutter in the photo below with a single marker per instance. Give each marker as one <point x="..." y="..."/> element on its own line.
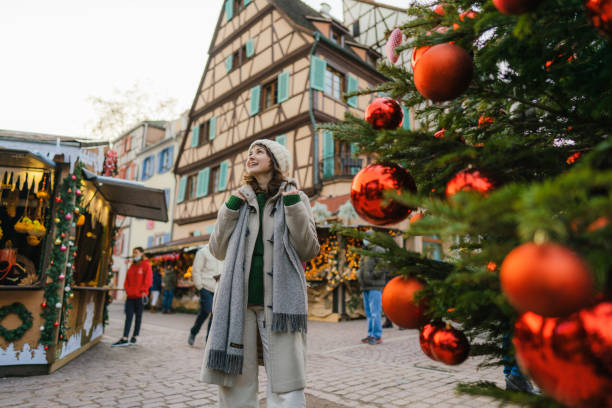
<point x="143" y="173"/>
<point x="229" y="10"/>
<point x="255" y="93"/>
<point x="149" y="241"/>
<point x="167" y="194"/>
<point x="406" y="122"/>
<point x="246" y="2"/>
<point x="283" y="86"/>
<point x="352" y="87"/>
<point x="223" y="175"/>
<point x="282" y="139"/>
<point x="195" y="136"/>
<point x="151" y="166"/>
<point x="160" y="160"/>
<point x="250" y="48"/>
<point x="328" y="154"/>
<point x="203" y="177"/>
<point x="212" y="128"/>
<point x="166" y="238"/>
<point x="318" y="66"/>
<point x="354" y="149"/>
<point x="229" y="63"/>
<point x="182" y="188"/>
<point x="170" y="157"/>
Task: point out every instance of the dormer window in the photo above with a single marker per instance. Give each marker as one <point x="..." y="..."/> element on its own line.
<point x="337" y="37"/>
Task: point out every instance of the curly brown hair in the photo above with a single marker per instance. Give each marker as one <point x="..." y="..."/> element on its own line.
<point x="275" y="182"/>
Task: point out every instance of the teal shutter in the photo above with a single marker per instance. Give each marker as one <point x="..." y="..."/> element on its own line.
<point x="203" y="177"/>
<point x="283" y="86"/>
<point x="195" y="136"/>
<point x="255" y="93"/>
<point x="318" y="66"/>
<point x="229" y="10"/>
<point x="246" y="2"/>
<point x="223" y="175"/>
<point x="406" y="123"/>
<point x="282" y="139"/>
<point x="229" y="63"/>
<point x="182" y="188"/>
<point x="328" y="154"/>
<point x="352" y="87"/>
<point x="249" y="48"/>
<point x="212" y="128"/>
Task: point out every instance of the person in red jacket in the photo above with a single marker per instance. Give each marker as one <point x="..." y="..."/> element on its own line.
<point x="138" y="280"/>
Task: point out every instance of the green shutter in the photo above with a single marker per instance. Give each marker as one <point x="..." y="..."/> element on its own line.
<point x="406" y="123"/>
<point x="255" y="93"/>
<point x="282" y="139"/>
<point x="229" y="63"/>
<point x="246" y="2"/>
<point x="212" y="128"/>
<point x="182" y="188"/>
<point x="229" y="10"/>
<point x="195" y="136"/>
<point x="203" y="177"/>
<point x="283" y="86"/>
<point x="223" y="175"/>
<point x="318" y="66"/>
<point x="328" y="154"/>
<point x="352" y="87"/>
<point x="250" y="48"/>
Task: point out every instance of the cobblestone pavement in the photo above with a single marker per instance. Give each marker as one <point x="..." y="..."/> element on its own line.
<point x="162" y="371"/>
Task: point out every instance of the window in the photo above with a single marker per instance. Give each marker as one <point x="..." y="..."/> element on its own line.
<point x="238" y="6"/>
<point x="269" y="95"/>
<point x="337" y="37"/>
<point x="214" y="178"/>
<point x="356" y="29"/>
<point x="190" y="192"/>
<point x="432" y="247"/>
<point x="334" y="83"/>
<point x="164" y="159"/>
<point x="203" y="133"/>
<point x="241" y="56"/>
<point x="147" y="168"/>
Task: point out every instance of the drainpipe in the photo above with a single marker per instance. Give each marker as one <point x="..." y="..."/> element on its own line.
<point x="317" y="186"/>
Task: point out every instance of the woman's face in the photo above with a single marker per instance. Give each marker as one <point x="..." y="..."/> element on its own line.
<point x="258" y="162"/>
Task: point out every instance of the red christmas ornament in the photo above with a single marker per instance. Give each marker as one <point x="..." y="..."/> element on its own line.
<point x="547" y="279"/>
<point x="395" y="39"/>
<point x="46" y="347"/>
<point x="449" y="345"/>
<point x="598" y="224"/>
<point x="484" y="120"/>
<point x="439" y="134"/>
<point x="573" y="158"/>
<point x="468" y="180"/>
<point x="58" y="199"/>
<point x="43" y="305"/>
<point x="399" y="304"/>
<point x="73" y="177"/>
<point x="70" y="190"/>
<point x="515" y="7"/>
<point x="600" y="13"/>
<point x="443" y="72"/>
<point x="416" y="217"/>
<point x="425" y="338"/>
<point x="491" y="266"/>
<point x="55" y="324"/>
<point x="384" y="113"/>
<point x="439" y="9"/>
<point x="417" y="53"/>
<point x="569" y="358"/>
<point x="368" y="193"/>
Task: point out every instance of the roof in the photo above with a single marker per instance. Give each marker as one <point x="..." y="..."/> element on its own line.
<point x="160" y="124"/>
<point x="24" y="159"/>
<point x="49" y="138"/>
<point x="333" y="203"/>
<point x="178" y="244"/>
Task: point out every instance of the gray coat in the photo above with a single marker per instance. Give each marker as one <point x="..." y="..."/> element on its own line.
<point x="287" y="350"/>
<point x="370" y="276"/>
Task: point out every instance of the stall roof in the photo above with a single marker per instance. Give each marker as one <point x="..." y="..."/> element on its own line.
<point x="24" y="159"/>
<point x="179" y="244"/>
<point x="130" y="198"/>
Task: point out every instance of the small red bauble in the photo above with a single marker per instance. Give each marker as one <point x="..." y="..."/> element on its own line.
<point x="55" y="324"/>
<point x="395" y="39"/>
<point x="58" y="199"/>
<point x="384" y="113"/>
<point x="399" y="304"/>
<point x="468" y="180"/>
<point x="43" y="305"/>
<point x="368" y="193"/>
<point x="69" y="190"/>
<point x="73" y="177"/>
<point x="46" y="347"/>
<point x="425" y="338"/>
<point x="547" y="279"/>
<point x="484" y="120"/>
<point x="449" y="345"/>
<point x="443" y="72"/>
<point x="439" y="134"/>
<point x="515" y="7"/>
<point x="600" y="13"/>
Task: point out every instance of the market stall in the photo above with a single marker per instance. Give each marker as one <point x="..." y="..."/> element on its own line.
<point x="57" y="223"/>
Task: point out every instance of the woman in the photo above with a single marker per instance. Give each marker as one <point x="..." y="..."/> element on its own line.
<point x="263" y="232"/>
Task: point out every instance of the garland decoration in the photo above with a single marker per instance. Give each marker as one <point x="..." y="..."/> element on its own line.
<point x="24" y="315"/>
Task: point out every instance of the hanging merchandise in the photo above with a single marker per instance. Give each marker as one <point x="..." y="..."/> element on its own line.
<point x="384" y="113"/>
<point x="399" y="305"/>
<point x="395" y="39"/>
<point x="468" y="180"/>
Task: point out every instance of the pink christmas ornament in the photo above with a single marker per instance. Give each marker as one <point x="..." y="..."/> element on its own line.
<point x="73" y="177"/>
<point x="61" y="277"/>
<point x="395" y="39"/>
<point x="63" y="248"/>
<point x="68" y="217"/>
<point x="78" y="192"/>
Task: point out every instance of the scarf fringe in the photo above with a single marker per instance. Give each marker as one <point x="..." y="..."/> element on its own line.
<point x="222" y="361"/>
<point x="281" y="322"/>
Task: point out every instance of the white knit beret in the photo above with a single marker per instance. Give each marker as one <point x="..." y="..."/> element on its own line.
<point x="280" y="153"/>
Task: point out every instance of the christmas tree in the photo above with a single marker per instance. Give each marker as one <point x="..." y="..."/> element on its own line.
<point x="512" y="159"/>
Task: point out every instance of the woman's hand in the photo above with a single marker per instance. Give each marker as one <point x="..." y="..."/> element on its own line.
<point x="290" y="192"/>
<point x="238" y="194"/>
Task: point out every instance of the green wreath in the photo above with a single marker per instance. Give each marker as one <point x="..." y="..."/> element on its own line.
<point x="24" y="315"/>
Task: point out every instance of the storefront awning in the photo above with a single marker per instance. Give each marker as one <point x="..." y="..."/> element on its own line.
<point x="24" y="159"/>
<point x="129" y="198"/>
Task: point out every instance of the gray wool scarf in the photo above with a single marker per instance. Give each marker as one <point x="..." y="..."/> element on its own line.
<point x="289" y="301"/>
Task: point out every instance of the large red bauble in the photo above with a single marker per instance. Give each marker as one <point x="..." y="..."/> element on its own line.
<point x="384" y="113"/>
<point x="515" y="7"/>
<point x="563" y="355"/>
<point x="600" y="13"/>
<point x="417" y="53"/>
<point x="399" y="304"/>
<point x="468" y="180"/>
<point x="546" y="279"/>
<point x="449" y="346"/>
<point x="425" y="338"/>
<point x="443" y="72"/>
<point x="368" y="193"/>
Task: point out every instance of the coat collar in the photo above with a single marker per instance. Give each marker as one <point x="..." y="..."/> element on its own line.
<point x="251" y="197"/>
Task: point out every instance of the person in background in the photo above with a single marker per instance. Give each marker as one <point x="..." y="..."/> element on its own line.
<point x="169" y="286"/>
<point x="155" y="288"/>
<point x="205" y="272"/>
<point x="372" y="281"/>
<point x="137" y="283"/>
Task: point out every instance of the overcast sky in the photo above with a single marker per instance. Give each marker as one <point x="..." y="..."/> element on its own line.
<point x="55" y="54"/>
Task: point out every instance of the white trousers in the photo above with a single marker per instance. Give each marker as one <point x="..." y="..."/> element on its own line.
<point x="154" y="297"/>
<point x="244" y="392"/>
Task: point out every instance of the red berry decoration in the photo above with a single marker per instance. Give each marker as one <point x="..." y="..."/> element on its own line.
<point x="384" y="113"/>
<point x="468" y="180"/>
<point x="515" y="7"/>
<point x="395" y="39"/>
<point x="449" y="345"/>
<point x="569" y="358"/>
<point x="368" y="193"/>
<point x="443" y="72"/>
<point x="425" y="338"/>
<point x="547" y="279"/>
<point x="399" y="304"/>
<point x="484" y="120"/>
<point x="600" y="13"/>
